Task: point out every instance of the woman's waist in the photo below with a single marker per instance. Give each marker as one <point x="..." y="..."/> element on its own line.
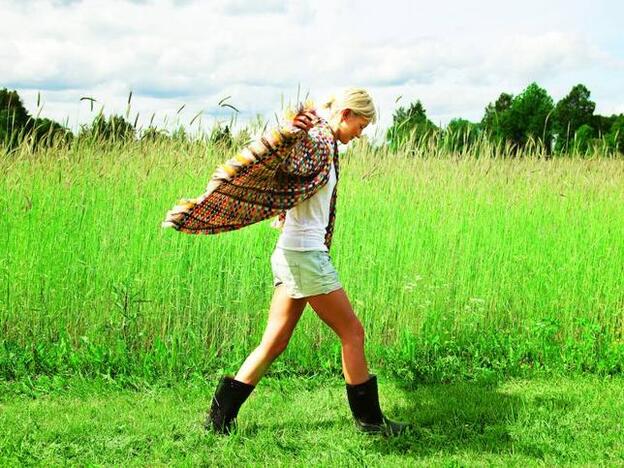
<point x="300" y="241"/>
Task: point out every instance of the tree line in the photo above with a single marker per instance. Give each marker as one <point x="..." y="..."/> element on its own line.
<point x="530" y="118"/>
<point x="17" y="126"/>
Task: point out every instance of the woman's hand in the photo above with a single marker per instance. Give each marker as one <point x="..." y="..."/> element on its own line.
<point x="305" y="120"/>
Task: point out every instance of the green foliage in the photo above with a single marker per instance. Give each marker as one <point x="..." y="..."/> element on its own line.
<point x="461" y="135"/>
<point x="527" y="123"/>
<point x="571" y="113"/>
<point x="409" y="126"/>
<point x="495" y="119"/>
<point x="305" y="421"/>
<point x="242" y="139"/>
<point x="491" y="277"/>
<point x="114" y="129"/>
<point x="49" y="133"/>
<point x="602" y="124"/>
<point x="584" y="139"/>
<point x="180" y="135"/>
<point x="13" y="115"/>
<point x="522" y="120"/>
<point x="529" y="118"/>
<point x="616" y="134"/>
<point x="221" y="136"/>
<point x="17" y="126"/>
<point x="153" y="134"/>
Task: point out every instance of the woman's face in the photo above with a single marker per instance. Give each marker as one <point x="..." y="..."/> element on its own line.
<point x="351" y="126"/>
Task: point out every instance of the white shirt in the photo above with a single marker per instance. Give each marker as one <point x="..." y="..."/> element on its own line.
<point x="305" y="223"/>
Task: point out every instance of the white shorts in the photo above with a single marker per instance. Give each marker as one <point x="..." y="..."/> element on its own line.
<point x="304" y="273"/>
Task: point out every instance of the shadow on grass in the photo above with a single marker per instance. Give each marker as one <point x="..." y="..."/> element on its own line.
<point x="454" y="419"/>
<point x="451" y="419"/>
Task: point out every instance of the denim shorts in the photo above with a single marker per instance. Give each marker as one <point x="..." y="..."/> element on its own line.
<point x="304" y="273"/>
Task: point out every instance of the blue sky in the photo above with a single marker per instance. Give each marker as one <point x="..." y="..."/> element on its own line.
<point x="454" y="56"/>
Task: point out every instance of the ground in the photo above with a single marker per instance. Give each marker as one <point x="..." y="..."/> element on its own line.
<point x="306" y="421"/>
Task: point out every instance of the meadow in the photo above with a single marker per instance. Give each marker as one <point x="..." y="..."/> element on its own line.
<point x="536" y="422"/>
<point x="467" y="271"/>
<point x="459" y="267"/>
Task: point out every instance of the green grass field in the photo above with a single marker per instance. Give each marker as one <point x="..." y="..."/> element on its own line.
<point x="456" y="267"/>
<point x="561" y="421"/>
<point x="490" y="290"/>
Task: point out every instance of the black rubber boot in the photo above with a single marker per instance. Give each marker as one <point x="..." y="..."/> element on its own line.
<point x="227" y="400"/>
<point x="364" y="403"/>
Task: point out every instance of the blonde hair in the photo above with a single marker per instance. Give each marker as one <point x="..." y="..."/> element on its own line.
<point x="356" y="99"/>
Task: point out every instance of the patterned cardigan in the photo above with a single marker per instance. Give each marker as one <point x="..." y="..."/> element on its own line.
<point x="275" y="173"/>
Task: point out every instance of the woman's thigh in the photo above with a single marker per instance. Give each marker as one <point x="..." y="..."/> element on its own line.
<point x="336" y="311"/>
<point x="284" y="314"/>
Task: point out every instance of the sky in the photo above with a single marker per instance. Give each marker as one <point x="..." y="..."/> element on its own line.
<point x="453" y="56"/>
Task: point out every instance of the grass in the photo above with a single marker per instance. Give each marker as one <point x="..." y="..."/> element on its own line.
<point x="459" y="267"/>
<point x="489" y="288"/>
<point x="516" y="422"/>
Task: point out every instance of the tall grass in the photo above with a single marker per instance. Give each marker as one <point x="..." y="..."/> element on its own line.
<point x="459" y="264"/>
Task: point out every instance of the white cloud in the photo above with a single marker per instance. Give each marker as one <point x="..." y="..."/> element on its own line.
<point x="539" y="56"/>
<point x="455" y="59"/>
<point x="247" y="8"/>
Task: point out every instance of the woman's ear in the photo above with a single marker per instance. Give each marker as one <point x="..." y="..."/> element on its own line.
<point x="345" y="114"/>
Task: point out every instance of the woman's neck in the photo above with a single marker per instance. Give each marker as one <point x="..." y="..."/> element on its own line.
<point x="334" y="125"/>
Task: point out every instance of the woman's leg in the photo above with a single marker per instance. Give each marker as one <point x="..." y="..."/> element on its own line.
<point x="283" y="317"/>
<point x="336" y="311"/>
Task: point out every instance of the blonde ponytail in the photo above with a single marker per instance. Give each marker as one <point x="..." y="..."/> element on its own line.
<point x="356" y="99"/>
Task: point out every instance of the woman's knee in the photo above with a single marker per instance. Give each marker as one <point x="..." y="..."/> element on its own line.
<point x="355" y="334"/>
<point x="273" y="348"/>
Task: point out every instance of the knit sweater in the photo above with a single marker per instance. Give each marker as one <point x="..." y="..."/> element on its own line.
<point x="268" y="177"/>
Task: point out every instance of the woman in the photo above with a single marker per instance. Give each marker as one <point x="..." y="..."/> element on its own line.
<point x="301" y="265"/>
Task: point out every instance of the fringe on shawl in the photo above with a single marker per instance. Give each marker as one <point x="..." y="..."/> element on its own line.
<point x="247" y="156"/>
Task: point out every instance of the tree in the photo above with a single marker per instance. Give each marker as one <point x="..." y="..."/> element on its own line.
<point x="461" y="134"/>
<point x="153" y="134"/>
<point x="518" y="120"/>
<point x="16" y="124"/>
<point x="113" y="129"/>
<point x="13" y="117"/>
<point x="529" y="118"/>
<point x="603" y="124"/>
<point x="583" y="138"/>
<point x="221" y="136"/>
<point x="616" y="134"/>
<point x="495" y="119"/>
<point x="409" y="125"/>
<point x="572" y="112"/>
<point x="46" y="132"/>
<point x="180" y="135"/>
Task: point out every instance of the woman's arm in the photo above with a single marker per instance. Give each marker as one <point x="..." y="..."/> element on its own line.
<point x="305" y="120"/>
